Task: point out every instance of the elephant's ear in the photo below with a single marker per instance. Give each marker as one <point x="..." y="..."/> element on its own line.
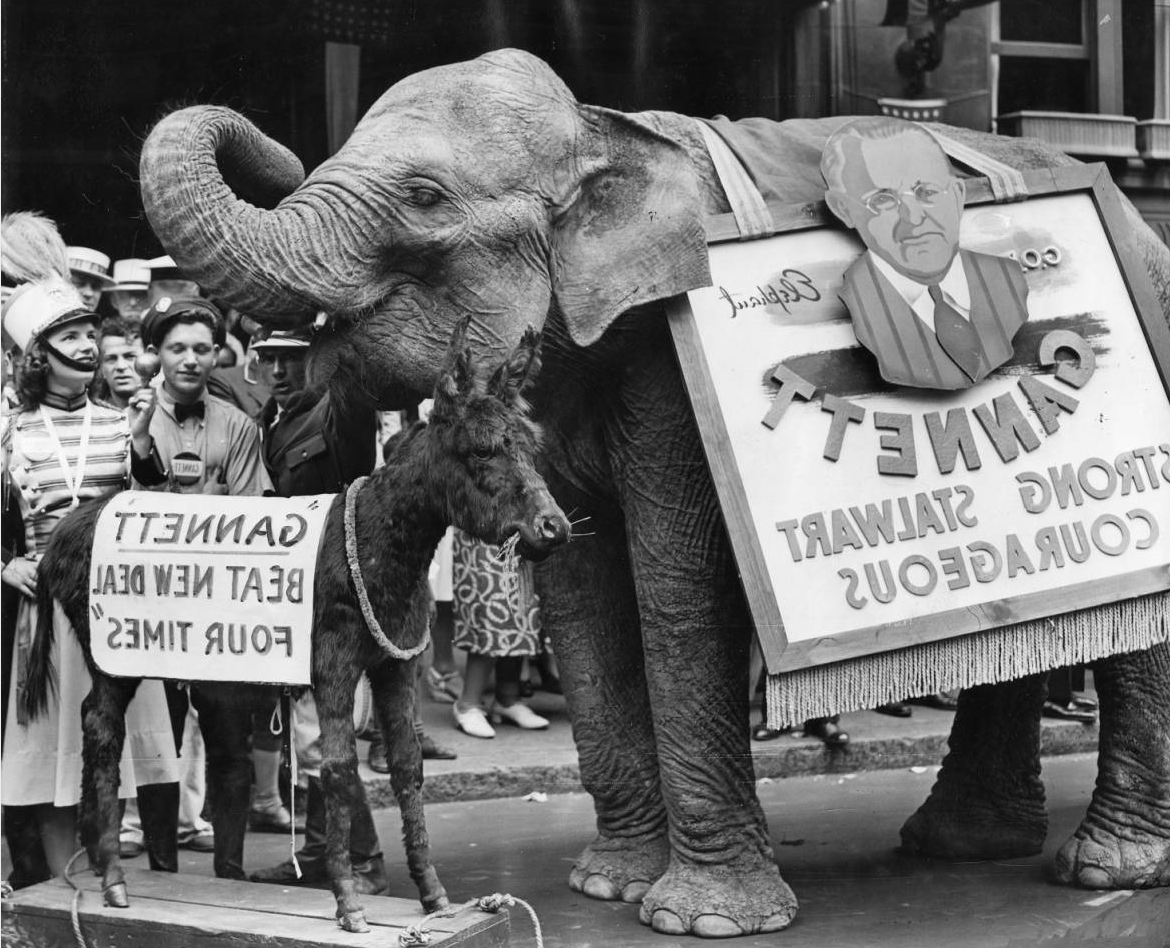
<point x="630" y="226"/>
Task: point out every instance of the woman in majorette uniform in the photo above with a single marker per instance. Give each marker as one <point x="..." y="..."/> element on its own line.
<point x="60" y="449"/>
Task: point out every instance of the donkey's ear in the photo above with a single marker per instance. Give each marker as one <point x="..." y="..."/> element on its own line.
<point x="629" y="227"/>
<point x="458" y="371"/>
<point x="519" y="369"/>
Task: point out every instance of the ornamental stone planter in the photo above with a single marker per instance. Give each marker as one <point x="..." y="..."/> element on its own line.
<point x="1153" y="139"/>
<point x="1106" y="136"/>
<point x="915" y="110"/>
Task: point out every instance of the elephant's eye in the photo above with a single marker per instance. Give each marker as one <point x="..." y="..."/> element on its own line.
<point x="423" y="197"/>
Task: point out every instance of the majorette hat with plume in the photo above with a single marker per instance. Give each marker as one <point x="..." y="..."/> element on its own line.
<point x="31" y="248"/>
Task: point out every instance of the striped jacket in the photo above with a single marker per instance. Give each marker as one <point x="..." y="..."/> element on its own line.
<point x="907" y="351"/>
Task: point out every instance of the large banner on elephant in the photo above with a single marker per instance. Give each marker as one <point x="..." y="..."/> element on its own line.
<point x="189" y="591"/>
<point x="886" y="484"/>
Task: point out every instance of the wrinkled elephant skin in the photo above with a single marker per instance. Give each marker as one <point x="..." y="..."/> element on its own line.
<point x="483" y="190"/>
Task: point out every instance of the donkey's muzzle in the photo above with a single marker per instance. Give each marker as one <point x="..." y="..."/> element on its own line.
<point x="546" y="532"/>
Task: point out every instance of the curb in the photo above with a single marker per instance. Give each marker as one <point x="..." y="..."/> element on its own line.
<point x="799" y="757"/>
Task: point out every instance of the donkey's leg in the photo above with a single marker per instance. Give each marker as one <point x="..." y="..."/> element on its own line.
<point x="394" y="685"/>
<point x="342" y="789"/>
<point x="103" y="726"/>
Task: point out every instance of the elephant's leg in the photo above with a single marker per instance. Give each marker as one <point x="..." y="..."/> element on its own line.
<point x="103" y="726"/>
<point x="394" y="684"/>
<point x="589" y="609"/>
<point x="988" y="801"/>
<point x="1124" y="841"/>
<point x="341" y="787"/>
<point x="722" y="879"/>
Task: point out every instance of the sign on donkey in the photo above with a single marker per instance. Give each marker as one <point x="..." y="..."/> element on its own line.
<point x="184" y="589"/>
<point x="936" y="470"/>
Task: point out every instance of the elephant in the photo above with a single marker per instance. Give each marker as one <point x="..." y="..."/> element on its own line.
<point x="483" y="190"/>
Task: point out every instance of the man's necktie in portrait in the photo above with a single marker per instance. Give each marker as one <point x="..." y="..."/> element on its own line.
<point x="932" y="314"/>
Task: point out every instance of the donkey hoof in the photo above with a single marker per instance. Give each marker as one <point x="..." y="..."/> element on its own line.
<point x="353" y="922"/>
<point x="115" y="895"/>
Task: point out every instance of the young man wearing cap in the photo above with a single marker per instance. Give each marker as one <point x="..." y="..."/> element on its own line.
<point x="209" y="447"/>
<point x="90" y="270"/>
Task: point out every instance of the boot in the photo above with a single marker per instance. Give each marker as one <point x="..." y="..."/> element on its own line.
<point x="311" y="855"/>
<point x="29" y="865"/>
<point x="158" y="809"/>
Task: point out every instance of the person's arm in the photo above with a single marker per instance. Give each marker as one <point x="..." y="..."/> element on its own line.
<point x="245" y="473"/>
<point x="146" y="465"/>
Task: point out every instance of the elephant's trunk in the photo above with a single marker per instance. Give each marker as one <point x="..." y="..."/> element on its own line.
<point x="216" y="191"/>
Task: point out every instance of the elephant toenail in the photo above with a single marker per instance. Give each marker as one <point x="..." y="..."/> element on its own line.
<point x="666" y="922"/>
<point x="635" y="891"/>
<point x="777" y="922"/>
<point x="600" y="887"/>
<point x="717" y="926"/>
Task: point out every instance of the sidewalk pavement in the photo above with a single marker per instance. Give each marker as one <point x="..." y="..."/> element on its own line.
<point x="518" y="762"/>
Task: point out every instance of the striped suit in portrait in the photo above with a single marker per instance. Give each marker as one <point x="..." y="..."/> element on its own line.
<point x="907" y="350"/>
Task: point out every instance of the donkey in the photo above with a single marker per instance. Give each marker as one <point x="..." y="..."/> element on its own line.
<point x="472" y="465"/>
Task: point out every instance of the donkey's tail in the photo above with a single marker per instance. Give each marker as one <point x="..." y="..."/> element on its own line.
<point x="40" y="681"/>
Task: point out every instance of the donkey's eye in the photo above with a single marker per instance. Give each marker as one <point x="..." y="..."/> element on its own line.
<point x="483" y="454"/>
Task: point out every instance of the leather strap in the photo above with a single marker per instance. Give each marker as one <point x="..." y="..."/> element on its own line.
<point x="1007" y="184"/>
<point x="747" y="204"/>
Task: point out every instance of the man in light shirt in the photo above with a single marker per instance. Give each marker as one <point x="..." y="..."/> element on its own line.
<point x="933" y="315"/>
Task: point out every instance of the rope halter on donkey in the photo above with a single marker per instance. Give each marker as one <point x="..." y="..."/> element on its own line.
<point x="355" y="570"/>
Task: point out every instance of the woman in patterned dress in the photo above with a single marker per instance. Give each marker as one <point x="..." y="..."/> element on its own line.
<point x="61" y="449"/>
<point x="497" y="621"/>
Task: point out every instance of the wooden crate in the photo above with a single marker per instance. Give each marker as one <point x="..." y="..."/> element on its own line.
<point x="170" y="910"/>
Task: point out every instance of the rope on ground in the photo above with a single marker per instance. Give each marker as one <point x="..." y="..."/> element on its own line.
<point x="75" y="906"/>
<point x="417" y="936"/>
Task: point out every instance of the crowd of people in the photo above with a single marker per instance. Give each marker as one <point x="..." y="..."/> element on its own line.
<point x="126" y="375"/>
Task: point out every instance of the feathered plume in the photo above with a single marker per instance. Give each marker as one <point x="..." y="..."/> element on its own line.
<point x="31" y="248"/>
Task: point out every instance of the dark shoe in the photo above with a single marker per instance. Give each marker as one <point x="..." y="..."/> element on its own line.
<point x="943" y="701"/>
<point x="369" y="877"/>
<point x="1069" y="712"/>
<point x="895" y="709"/>
<point x="433" y="751"/>
<point x="284" y="873"/>
<point x="761" y="732"/>
<point x="827" y="731"/>
<point x="376" y="758"/>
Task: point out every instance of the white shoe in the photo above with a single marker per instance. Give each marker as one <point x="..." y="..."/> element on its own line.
<point x="519" y="714"/>
<point x="472" y="721"/>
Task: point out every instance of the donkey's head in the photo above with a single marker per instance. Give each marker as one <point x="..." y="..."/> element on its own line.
<point x="482" y="446"/>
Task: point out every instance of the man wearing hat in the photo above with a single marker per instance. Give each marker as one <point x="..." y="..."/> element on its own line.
<point x="131" y="285"/>
<point x="208" y="447"/>
<point x="90" y="270"/>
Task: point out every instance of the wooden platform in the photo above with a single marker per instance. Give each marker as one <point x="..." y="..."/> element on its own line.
<point x="170" y="910"/>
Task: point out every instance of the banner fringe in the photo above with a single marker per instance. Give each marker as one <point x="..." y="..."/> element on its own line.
<point x="996" y="655"/>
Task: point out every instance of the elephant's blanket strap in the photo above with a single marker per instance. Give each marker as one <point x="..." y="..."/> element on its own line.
<point x="359" y="585"/>
<point x="1007" y="184"/>
<point x="747" y="204"/>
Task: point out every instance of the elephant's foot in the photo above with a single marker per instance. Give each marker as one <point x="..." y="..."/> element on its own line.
<point x="1098" y="858"/>
<point x="620" y="869"/>
<point x="954" y="827"/>
<point x="719" y="901"/>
